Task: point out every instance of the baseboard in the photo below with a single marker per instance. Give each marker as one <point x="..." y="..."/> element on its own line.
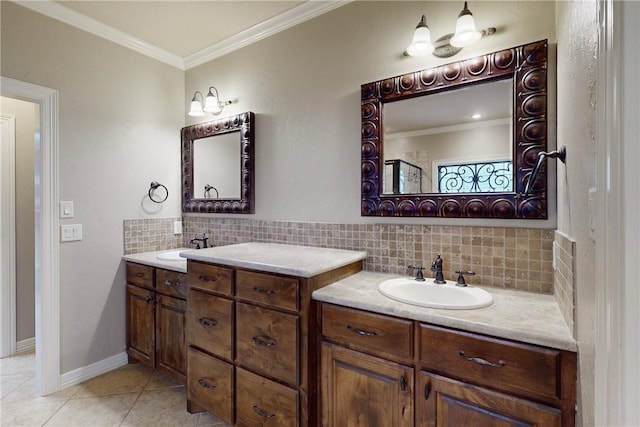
<point x="85" y="373"/>
<point x="26" y="345"/>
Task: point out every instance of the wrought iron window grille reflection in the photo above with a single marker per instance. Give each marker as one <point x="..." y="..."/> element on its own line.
<point x="482" y="177"/>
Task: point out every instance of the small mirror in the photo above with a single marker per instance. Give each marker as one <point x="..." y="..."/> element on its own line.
<point x="217" y="165"/>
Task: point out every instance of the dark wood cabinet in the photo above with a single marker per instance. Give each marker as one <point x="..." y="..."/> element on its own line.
<point x="445" y="402"/>
<point x="156" y="308"/>
<point x="462" y="378"/>
<point x="254" y="335"/>
<point x="362" y="390"/>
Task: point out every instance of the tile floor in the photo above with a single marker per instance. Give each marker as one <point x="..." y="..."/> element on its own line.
<point x="132" y="395"/>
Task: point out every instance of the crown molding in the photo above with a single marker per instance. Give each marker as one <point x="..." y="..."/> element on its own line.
<point x="288" y="19"/>
<point x="71" y="17"/>
<point x="452" y="128"/>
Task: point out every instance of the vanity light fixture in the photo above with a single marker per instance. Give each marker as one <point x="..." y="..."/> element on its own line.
<point x="450" y="44"/>
<point x="212" y="103"/>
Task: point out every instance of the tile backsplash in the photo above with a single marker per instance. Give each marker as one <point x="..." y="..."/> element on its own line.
<point x="514" y="258"/>
<point x="564" y="279"/>
<point x="150" y="234"/>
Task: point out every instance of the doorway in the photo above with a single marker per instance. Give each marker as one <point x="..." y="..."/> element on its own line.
<point x="47" y="313"/>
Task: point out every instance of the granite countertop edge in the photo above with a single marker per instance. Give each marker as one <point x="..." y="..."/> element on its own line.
<point x="151" y="259"/>
<point x="515" y="315"/>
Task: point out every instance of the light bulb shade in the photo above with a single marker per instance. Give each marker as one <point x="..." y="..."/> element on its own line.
<point x="466" y="33"/>
<point x="421" y="43"/>
<point x="196" y="109"/>
<point x="211" y="104"/>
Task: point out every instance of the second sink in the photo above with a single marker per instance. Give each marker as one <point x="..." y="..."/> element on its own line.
<point x="425" y="294"/>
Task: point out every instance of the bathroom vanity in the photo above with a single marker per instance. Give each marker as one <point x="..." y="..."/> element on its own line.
<point x="156" y="307"/>
<point x="252" y="332"/>
<point x="394" y="364"/>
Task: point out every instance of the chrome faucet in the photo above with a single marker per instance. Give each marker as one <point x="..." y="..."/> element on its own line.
<point x="204" y="241"/>
<point x="436" y="266"/>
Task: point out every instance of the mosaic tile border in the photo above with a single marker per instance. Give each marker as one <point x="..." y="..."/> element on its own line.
<point x="564" y="278"/>
<point x="501" y="257"/>
<point x="150" y="234"/>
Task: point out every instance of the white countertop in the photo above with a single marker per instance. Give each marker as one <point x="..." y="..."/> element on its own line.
<point x="151" y="259"/>
<point x="516" y="315"/>
<point x="301" y="261"/>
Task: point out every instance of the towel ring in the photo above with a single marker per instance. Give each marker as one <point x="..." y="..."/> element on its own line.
<point x="153" y="187"/>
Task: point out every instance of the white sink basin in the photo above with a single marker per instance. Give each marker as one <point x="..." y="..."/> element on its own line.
<point x="428" y="294"/>
<point x="172" y="255"/>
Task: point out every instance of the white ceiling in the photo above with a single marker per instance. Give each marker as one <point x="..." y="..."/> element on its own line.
<point x="183" y="33"/>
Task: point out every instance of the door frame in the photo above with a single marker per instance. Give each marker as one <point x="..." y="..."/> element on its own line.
<point x="7" y="231"/>
<point x="47" y="246"/>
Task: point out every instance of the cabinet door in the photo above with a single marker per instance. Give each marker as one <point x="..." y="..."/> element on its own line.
<point x="360" y="390"/>
<point x="171" y="358"/>
<point x="445" y="402"/>
<point x="140" y="325"/>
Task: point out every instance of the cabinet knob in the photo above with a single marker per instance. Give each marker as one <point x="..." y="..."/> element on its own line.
<point x="169" y="283"/>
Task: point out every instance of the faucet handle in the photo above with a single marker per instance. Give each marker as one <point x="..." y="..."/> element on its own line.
<point x="461" y="274"/>
<point x="419" y="275"/>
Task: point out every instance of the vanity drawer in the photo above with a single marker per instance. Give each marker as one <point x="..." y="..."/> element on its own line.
<point x="261" y="402"/>
<point x="210" y="277"/>
<point x="210" y="384"/>
<point x="171" y="283"/>
<point x="276" y="291"/>
<point x="368" y="332"/>
<point x="267" y="342"/>
<point x="505" y="365"/>
<point x="210" y="323"/>
<point x="140" y="275"/>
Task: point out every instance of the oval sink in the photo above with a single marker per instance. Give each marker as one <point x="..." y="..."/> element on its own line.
<point x="172" y="255"/>
<point x="428" y="294"/>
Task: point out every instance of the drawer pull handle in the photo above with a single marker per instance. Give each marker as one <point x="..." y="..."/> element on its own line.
<point x="263" y="342"/>
<point x="263" y="291"/>
<point x="137" y="274"/>
<point x="205" y="383"/>
<point x="207" y="278"/>
<point x="403" y="383"/>
<point x="168" y="283"/>
<point x="207" y="323"/>
<point x="362" y="332"/>
<point x="261" y="412"/>
<point x="427" y="390"/>
<point x="479" y="361"/>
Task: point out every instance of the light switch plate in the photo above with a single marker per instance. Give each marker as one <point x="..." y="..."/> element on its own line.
<point x="70" y="232"/>
<point x="177" y="227"/>
<point x="66" y="209"/>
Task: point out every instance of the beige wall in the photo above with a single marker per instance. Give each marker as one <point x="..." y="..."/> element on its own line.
<point x="304" y="86"/>
<point x="577" y="26"/>
<point x="25" y="114"/>
<point x="120" y="115"/>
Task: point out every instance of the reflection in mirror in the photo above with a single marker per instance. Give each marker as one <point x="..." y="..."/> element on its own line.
<point x="216" y="167"/>
<point x="456" y="142"/>
<point x="466" y="171"/>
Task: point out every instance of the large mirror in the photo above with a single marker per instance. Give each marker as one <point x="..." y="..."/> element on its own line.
<point x="459" y="140"/>
<point x="217" y="165"/>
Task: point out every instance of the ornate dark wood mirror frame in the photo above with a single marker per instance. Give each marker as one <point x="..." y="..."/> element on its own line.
<point x="243" y="124"/>
<point x="527" y="66"/>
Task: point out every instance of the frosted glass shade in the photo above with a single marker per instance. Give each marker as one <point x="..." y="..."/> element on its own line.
<point x="211" y="104"/>
<point x="196" y="109"/>
<point x="466" y="33"/>
<point x="421" y="43"/>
